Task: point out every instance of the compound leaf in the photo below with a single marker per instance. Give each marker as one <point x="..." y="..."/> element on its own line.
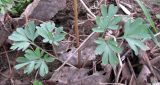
<point x="23" y="37"/>
<point x="30" y="67"/>
<point x="108" y="48"/>
<point x="135" y="33"/>
<point x="107" y="20"/>
<point x="34" y="60"/>
<point x="43" y="69"/>
<point x="112" y="10"/>
<point x="21" y="65"/>
<point x="103" y="10"/>
<point x="46" y="31"/>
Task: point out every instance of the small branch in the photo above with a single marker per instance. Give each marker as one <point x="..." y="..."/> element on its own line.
<point x="9" y="64"/>
<point x="87" y="8"/>
<point x="120" y="69"/>
<point x="76" y="50"/>
<point x="157" y="34"/>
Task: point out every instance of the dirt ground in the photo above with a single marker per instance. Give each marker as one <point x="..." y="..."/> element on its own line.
<point x="143" y="69"/>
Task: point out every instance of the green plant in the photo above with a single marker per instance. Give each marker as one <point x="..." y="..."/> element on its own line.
<point x="19" y="6"/>
<point x="108" y="48"/>
<point x="107" y="20"/>
<point x="45" y="30"/>
<point x="135" y="33"/>
<point x="6" y="5"/>
<point x="148" y="16"/>
<point x="35" y="59"/>
<point x="36" y="82"/>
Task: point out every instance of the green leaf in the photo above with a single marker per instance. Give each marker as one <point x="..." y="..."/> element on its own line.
<point x="30" y="31"/>
<point x="103" y="10"/>
<point x="34" y="60"/>
<point x="116" y="20"/>
<point x="112" y="10"/>
<point x="20" y="45"/>
<point x="135" y="33"/>
<point x="38" y="64"/>
<point x="21" y="60"/>
<point x="113" y="27"/>
<point x="21" y="65"/>
<point x="6" y="5"/>
<point x="46" y="31"/>
<point x="32" y="55"/>
<point x="43" y="69"/>
<point x="22" y="38"/>
<point x="36" y="82"/>
<point x="30" y="67"/>
<point x="107" y="20"/>
<point x="48" y="59"/>
<point x="113" y="60"/>
<point x="108" y="48"/>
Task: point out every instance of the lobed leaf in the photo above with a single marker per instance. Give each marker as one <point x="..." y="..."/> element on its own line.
<point x="135" y="33"/>
<point x="46" y="31"/>
<point x="107" y="20"/>
<point x="34" y="60"/>
<point x="108" y="49"/>
<point x="22" y="38"/>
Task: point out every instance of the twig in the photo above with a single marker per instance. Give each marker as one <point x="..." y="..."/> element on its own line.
<point x="9" y="64"/>
<point x="76" y="50"/>
<point x="87" y="8"/>
<point x="120" y="69"/>
<point x="157" y="34"/>
<point x="148" y="64"/>
<point x="2" y="53"/>
<point x="3" y="75"/>
<point x="131" y="68"/>
<point x="130" y="82"/>
<point x="124" y="56"/>
<point x="111" y="83"/>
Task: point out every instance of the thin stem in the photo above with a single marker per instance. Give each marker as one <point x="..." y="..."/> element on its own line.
<point x="76" y="50"/>
<point x="75" y="6"/>
<point x="9" y="64"/>
<point x="54" y="50"/>
<point x="83" y="41"/>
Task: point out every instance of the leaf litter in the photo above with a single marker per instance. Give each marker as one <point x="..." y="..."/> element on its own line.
<point x="72" y="76"/>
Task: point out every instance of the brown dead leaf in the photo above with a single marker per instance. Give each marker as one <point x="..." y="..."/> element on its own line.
<point x="73" y="76"/>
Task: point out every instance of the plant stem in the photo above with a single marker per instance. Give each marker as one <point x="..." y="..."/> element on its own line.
<point x="75" y="6"/>
<point x="54" y="50"/>
<point x="82" y="44"/>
